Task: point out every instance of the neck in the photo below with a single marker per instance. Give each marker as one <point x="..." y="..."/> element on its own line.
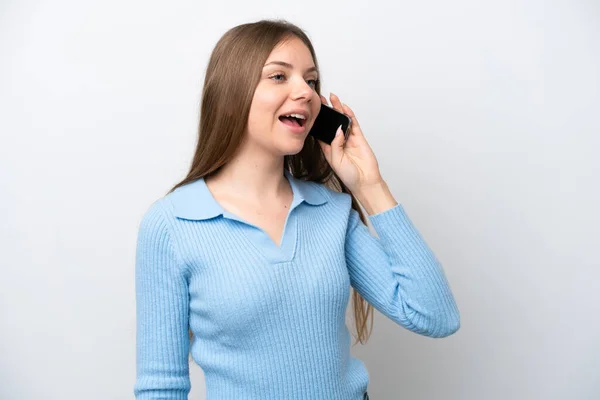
<point x="253" y="177"/>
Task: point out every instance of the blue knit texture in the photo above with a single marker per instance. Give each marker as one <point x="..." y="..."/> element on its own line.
<point x="269" y="320"/>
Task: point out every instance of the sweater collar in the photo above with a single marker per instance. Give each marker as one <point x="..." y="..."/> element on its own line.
<point x="194" y="201"/>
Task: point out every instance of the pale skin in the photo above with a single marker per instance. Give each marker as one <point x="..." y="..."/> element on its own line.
<point x="252" y="186"/>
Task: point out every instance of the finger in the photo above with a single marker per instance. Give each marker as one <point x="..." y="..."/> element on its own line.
<point x="323" y="99"/>
<point x="355" y="125"/>
<point x="348" y="111"/>
<point x="336" y="103"/>
<point x="337" y="145"/>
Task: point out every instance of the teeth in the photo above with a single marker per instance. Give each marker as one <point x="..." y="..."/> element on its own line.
<point x="295" y="116"/>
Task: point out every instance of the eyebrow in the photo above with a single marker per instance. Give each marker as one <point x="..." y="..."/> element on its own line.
<point x="288" y="65"/>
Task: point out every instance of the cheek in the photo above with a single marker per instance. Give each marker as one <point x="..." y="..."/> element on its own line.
<point x="261" y="109"/>
<point x="267" y="100"/>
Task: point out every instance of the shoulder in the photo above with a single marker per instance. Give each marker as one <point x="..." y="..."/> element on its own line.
<point x="158" y="226"/>
<point x="154" y="219"/>
<point x="340" y="207"/>
<point x="337" y="199"/>
<point x="160" y="215"/>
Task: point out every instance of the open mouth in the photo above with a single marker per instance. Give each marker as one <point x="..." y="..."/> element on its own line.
<point x="292" y="121"/>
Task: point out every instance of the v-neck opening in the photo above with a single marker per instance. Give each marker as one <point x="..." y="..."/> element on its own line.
<point x="260" y="239"/>
<point x="268" y="249"/>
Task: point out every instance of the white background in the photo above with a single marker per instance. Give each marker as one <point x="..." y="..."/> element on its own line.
<point x="484" y="116"/>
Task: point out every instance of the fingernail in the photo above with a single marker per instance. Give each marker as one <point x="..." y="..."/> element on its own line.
<point x="339" y="131"/>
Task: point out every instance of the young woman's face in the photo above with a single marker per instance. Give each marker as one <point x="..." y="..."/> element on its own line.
<point x="286" y="86"/>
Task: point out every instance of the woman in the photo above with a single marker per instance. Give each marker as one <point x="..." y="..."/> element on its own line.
<point x="256" y="250"/>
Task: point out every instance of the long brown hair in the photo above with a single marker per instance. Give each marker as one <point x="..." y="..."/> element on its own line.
<point x="233" y="72"/>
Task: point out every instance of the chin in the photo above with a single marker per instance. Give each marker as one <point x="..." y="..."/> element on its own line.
<point x="292" y="146"/>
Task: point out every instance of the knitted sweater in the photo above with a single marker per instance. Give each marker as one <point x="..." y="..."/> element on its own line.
<point x="268" y="320"/>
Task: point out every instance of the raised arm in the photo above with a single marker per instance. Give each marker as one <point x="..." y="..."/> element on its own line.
<point x="399" y="274"/>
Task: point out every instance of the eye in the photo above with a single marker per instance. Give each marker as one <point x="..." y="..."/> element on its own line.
<point x="281" y="77"/>
<point x="276" y="76"/>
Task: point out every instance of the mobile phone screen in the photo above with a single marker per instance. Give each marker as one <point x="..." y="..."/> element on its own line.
<point x="327" y="122"/>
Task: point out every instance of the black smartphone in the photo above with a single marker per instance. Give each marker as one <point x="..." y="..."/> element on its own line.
<point x="327" y="122"/>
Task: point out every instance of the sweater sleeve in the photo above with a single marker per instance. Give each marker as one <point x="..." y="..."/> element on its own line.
<point x="399" y="275"/>
<point x="162" y="304"/>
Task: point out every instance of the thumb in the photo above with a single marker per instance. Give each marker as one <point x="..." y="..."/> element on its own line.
<point x="337" y="145"/>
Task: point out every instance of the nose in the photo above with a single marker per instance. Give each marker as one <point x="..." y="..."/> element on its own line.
<point x="302" y="90"/>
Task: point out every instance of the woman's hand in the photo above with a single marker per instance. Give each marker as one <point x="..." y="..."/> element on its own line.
<point x="352" y="159"/>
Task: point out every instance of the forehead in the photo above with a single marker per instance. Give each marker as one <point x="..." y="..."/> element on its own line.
<point x="293" y="51"/>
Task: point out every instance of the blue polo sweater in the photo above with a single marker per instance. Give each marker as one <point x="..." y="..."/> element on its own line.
<point x="268" y="320"/>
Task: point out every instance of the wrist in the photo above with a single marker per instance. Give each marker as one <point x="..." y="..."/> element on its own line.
<point x="375" y="197"/>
